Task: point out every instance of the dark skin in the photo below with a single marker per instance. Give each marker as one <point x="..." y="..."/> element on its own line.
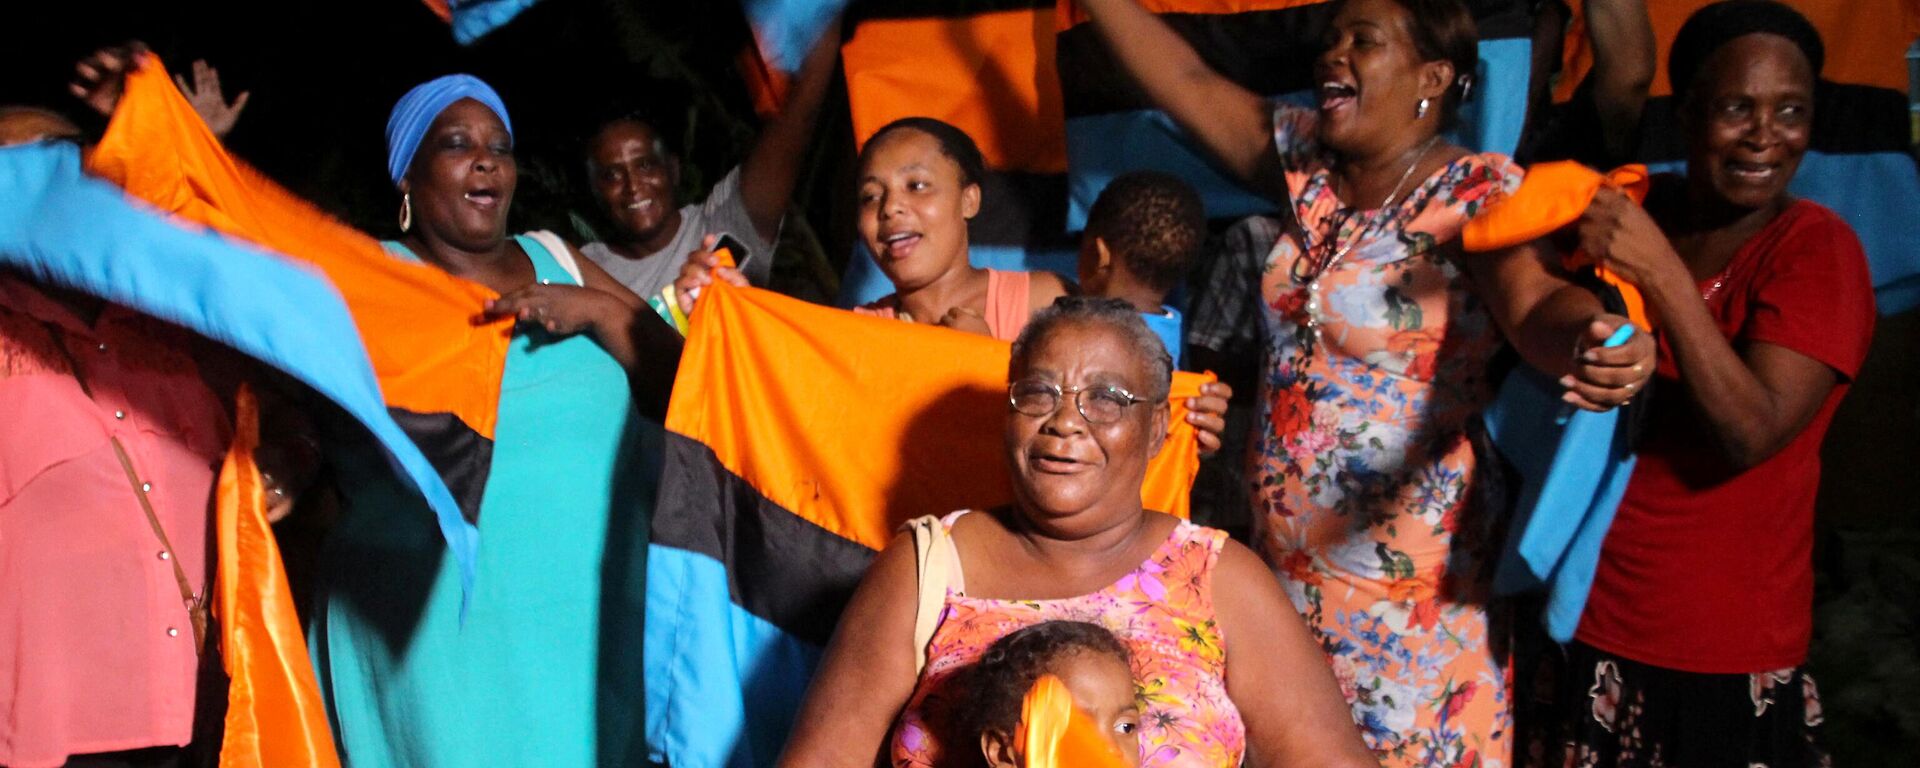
<point x="1077" y="525"/>
<point x="1373" y="79"/>
<point x="1748" y="120"/>
<point x="634" y="178"/>
<point x="461" y="186"/>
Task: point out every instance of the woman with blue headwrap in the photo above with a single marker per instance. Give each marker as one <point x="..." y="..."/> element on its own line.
<point x="519" y="679"/>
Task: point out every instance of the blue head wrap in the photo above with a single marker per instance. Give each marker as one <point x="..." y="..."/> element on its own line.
<point x="415" y="113"/>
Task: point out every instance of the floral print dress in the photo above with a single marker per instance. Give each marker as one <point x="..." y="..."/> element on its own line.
<point x="1361" y="469"/>
<point x="1163" y="612"/>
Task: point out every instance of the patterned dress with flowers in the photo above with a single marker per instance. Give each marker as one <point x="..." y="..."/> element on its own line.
<point x="1375" y="368"/>
<point x="1163" y="612"/>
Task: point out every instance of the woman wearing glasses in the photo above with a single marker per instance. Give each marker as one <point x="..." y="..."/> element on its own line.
<point x="1379" y="336"/>
<point x="1225" y="669"/>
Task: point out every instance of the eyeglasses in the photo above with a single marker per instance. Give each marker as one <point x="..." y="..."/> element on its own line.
<point x="1098" y="404"/>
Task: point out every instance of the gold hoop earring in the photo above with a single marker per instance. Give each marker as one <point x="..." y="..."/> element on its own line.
<point x="406" y="211"/>
<point x="1421" y="112"/>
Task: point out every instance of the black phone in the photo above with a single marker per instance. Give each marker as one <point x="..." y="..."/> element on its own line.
<point x="732" y="245"/>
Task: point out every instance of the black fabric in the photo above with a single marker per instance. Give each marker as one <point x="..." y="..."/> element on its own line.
<point x="1847" y="119"/>
<point x="1267" y="52"/>
<point x="1600" y="709"/>
<point x="1022" y="209"/>
<point x="761" y="544"/>
<point x="461" y="456"/>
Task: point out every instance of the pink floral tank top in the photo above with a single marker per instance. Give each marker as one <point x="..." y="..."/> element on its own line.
<point x="1162" y="610"/>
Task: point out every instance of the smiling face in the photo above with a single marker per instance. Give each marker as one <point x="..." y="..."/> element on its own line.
<point x="462" y="179"/>
<point x="1371" y="78"/>
<point x="914" y="206"/>
<point x="1748" y="120"/>
<point x="1064" y="467"/>
<point x="634" y="180"/>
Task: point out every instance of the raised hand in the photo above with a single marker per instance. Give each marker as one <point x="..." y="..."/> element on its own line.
<point x="205" y="95"/>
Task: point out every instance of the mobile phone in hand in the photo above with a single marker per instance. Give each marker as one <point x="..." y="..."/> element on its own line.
<point x="733" y="246"/>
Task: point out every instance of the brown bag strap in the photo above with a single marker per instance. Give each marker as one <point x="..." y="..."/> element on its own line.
<point x="196" y="605"/>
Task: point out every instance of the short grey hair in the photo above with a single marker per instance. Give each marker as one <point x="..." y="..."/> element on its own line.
<point x="1115" y="314"/>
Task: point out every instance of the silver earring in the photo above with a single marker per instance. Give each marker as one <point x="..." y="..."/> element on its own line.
<point x="1421" y="112"/>
<point x="406" y="211"/>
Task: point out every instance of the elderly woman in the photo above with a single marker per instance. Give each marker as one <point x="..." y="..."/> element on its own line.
<point x="411" y="676"/>
<point x="1226" y="670"/>
<point x="1701" y="608"/>
<point x="1379" y="332"/>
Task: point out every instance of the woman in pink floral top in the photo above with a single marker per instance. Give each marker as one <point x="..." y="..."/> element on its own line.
<point x="1379" y="334"/>
<point x="1226" y="672"/>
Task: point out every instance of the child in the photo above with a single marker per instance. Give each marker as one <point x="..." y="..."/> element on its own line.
<point x="1143" y="234"/>
<point x="1092" y="663"/>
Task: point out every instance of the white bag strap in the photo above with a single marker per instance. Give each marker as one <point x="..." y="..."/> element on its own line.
<point x="939" y="567"/>
<point x="561" y="253"/>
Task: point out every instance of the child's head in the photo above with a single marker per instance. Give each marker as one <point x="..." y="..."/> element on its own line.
<point x="1088" y="658"/>
<point x="1146" y="228"/>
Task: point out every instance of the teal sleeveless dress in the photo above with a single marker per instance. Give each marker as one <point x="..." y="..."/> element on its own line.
<point x="546" y="668"/>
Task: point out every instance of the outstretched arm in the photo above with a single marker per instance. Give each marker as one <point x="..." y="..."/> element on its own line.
<point x="1234" y="124"/>
<point x="773" y="165"/>
<point x="1624" y="54"/>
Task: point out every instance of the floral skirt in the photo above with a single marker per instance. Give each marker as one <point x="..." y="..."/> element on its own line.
<point x="1598" y="709"/>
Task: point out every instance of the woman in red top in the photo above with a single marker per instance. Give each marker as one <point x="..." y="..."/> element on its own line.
<point x="1690" y="648"/>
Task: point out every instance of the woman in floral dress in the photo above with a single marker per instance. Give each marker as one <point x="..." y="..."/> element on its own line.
<point x="1379" y="335"/>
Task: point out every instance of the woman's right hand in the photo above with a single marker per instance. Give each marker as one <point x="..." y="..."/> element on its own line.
<point x="100" y="78"/>
<point x="699" y="271"/>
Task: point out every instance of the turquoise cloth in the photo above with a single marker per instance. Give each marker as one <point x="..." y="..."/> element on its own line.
<point x="1166" y="325"/>
<point x="546" y="669"/>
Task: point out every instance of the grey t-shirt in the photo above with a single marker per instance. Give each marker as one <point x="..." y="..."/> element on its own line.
<point x="723" y="212"/>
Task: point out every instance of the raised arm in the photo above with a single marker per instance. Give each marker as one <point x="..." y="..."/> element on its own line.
<point x="1234" y="124"/>
<point x="1277" y="676"/>
<point x="867" y="675"/>
<point x="1624" y="54"/>
<point x="773" y="165"/>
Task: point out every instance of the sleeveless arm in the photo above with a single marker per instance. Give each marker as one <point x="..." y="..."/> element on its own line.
<point x="1276" y="674"/>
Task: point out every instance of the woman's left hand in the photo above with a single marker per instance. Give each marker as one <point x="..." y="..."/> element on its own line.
<point x="562" y="310"/>
<point x="1208" y="415"/>
<point x="1608" y="377"/>
<point x="1617" y="231"/>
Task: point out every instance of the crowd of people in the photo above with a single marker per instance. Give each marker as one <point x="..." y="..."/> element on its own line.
<point x="1356" y="624"/>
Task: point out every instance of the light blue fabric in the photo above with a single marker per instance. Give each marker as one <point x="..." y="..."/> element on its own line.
<point x="61" y="226"/>
<point x="475" y="19"/>
<point x="415" y="112"/>
<point x="865" y="283"/>
<point x="737" y="680"/>
<point x="547" y="668"/>
<point x="787" y="29"/>
<point x="1166" y="324"/>
<point x="1574" y="466"/>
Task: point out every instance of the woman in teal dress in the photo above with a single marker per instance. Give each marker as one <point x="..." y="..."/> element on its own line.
<point x="544" y="667"/>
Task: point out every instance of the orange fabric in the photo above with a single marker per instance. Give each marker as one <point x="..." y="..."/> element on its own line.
<point x="274" y="713"/>
<point x="1552" y="196"/>
<point x="766" y="84"/>
<point x="1866" y="41"/>
<point x="1071" y="15"/>
<point x="1056" y="734"/>
<point x="857" y="424"/>
<point x="418" y="322"/>
<point x="991" y="75"/>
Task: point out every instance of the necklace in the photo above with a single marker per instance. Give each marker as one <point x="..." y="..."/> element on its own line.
<point x="1311" y="330"/>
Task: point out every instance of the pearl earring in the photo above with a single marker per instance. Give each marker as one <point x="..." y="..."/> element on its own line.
<point x="1421" y="112"/>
